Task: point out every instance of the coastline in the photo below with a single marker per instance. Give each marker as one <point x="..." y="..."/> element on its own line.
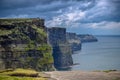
<point x="84" y="75"/>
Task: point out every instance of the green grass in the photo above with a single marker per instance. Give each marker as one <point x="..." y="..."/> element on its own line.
<point x="107" y="71"/>
<point x="19" y="78"/>
<point x="14" y="20"/>
<point x="10" y="21"/>
<point x="20" y="74"/>
<point x="43" y="47"/>
<point x="39" y="30"/>
<point x="5" y="32"/>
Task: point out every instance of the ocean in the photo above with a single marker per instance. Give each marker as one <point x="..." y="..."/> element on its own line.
<point x="101" y="55"/>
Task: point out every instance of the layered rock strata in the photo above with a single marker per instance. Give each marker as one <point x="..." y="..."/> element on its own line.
<point x="62" y="52"/>
<point x="23" y="44"/>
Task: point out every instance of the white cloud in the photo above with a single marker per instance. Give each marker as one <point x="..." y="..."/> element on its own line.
<point x="75" y="13"/>
<point x="87" y="4"/>
<point x="74" y="16"/>
<point x="103" y="25"/>
<point x="67" y="19"/>
<point x="102" y="9"/>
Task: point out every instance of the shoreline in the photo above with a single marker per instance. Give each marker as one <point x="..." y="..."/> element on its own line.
<point x="84" y="75"/>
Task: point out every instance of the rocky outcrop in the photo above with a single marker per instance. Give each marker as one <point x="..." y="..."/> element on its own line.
<point x="87" y="38"/>
<point x="74" y="41"/>
<point x="62" y="52"/>
<point x="23" y="44"/>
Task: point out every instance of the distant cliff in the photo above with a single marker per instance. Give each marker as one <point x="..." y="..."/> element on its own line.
<point x="62" y="52"/>
<point x="23" y="44"/>
<point x="87" y="38"/>
<point x="74" y="41"/>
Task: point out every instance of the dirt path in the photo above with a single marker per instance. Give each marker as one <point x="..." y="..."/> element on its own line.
<point x="84" y="75"/>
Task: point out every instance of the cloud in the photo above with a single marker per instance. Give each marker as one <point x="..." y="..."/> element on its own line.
<point x="102" y="11"/>
<point x="66" y="19"/>
<point x="100" y="15"/>
<point x="37" y="7"/>
<point x="70" y="15"/>
<point x="103" y="25"/>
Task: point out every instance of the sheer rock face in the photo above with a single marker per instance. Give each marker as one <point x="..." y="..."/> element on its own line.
<point x="62" y="52"/>
<point x="23" y="44"/>
<point x="74" y="41"/>
<point x="56" y="35"/>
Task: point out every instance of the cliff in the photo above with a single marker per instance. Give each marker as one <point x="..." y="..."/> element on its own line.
<point x="74" y="41"/>
<point x="23" y="44"/>
<point x="56" y="35"/>
<point x="62" y="52"/>
<point x="87" y="38"/>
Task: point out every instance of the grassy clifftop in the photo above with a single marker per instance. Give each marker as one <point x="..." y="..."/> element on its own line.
<point x="23" y="44"/>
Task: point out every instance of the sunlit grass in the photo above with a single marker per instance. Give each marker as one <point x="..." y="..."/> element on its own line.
<point x="20" y="74"/>
<point x="4" y="77"/>
<point x="5" y="32"/>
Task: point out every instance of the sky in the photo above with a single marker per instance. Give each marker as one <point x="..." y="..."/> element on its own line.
<point x="97" y="17"/>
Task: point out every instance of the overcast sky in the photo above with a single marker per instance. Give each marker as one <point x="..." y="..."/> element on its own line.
<point x="80" y="16"/>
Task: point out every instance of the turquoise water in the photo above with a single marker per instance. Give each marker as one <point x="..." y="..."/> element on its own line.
<point x="101" y="55"/>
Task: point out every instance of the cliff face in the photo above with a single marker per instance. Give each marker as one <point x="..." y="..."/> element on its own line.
<point x="56" y="35"/>
<point x="23" y="44"/>
<point x="74" y="41"/>
<point x="62" y="52"/>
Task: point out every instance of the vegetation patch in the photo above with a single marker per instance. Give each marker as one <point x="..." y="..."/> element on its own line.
<point x="20" y="74"/>
<point x="39" y="30"/>
<point x="5" y="32"/>
<point x="107" y="71"/>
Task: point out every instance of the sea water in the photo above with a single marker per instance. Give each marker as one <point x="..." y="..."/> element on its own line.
<point x="101" y="55"/>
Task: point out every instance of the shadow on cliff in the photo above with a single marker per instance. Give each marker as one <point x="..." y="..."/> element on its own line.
<point x="62" y="60"/>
